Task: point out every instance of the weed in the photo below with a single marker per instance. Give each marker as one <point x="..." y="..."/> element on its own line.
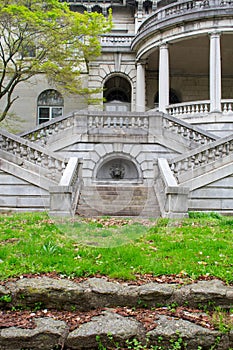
<point x="6" y="298"/>
<point x="222" y="320"/>
<point x="38" y="306"/>
<point x="50" y="248"/>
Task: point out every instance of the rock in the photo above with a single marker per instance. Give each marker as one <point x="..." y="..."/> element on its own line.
<point x="152" y="294"/>
<point x="5" y="297"/>
<point x="49" y="293"/>
<point x="172" y="329"/>
<point x="47" y="334"/>
<point x="210" y="293"/>
<point x="111" y="329"/>
<point x="102" y="293"/>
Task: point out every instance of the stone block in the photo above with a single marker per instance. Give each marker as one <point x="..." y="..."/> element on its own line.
<point x="47" y="335"/>
<point x="110" y="328"/>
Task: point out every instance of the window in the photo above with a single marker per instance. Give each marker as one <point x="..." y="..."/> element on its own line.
<point x="50" y="105"/>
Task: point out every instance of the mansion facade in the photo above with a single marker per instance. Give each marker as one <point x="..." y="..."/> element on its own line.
<point x="170" y="56"/>
<point x="160" y="143"/>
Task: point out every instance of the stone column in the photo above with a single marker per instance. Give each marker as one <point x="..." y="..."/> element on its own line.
<point x="163" y="77"/>
<point x="140" y="87"/>
<point x="215" y="72"/>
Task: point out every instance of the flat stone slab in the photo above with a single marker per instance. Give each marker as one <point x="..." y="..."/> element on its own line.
<point x="170" y="330"/>
<point x="47" y="335"/>
<point x="110" y="328"/>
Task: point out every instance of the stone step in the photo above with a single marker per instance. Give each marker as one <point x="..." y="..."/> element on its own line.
<point x="118" y="201"/>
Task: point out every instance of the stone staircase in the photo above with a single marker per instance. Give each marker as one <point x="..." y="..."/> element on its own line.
<point x="118" y="200"/>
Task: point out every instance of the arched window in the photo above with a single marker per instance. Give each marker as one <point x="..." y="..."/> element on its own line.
<point x="50" y="105"/>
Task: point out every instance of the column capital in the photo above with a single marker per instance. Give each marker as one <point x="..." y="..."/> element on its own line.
<point x="163" y="45"/>
<point x="141" y="62"/>
<point x="215" y="33"/>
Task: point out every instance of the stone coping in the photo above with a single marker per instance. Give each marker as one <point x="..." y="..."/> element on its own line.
<point x="110" y="327"/>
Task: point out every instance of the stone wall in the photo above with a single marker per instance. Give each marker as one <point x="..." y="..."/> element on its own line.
<point x="19" y="195"/>
<point x="218" y="193"/>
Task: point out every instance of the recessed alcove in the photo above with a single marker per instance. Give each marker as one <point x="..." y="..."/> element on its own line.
<point x="117" y="169"/>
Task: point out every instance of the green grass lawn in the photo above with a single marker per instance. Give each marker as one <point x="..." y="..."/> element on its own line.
<point x="195" y="246"/>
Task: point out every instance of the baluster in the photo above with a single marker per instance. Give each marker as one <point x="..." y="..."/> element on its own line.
<point x="191" y="136"/>
<point x="101" y="123"/>
<point x="44" y="160"/>
<point x="62" y="125"/>
<point x="204" y="157"/>
<point x="114" y="122"/>
<point x="193" y="109"/>
<point x="133" y="121"/>
<point x="216" y="152"/>
<point x="203" y="140"/>
<point x="50" y="130"/>
<point x="90" y="122"/>
<point x="37" y="157"/>
<point x="185" y="133"/>
<point x="201" y="108"/>
<point x="121" y="122"/>
<point x="109" y="122"/>
<point x="196" y="159"/>
<point x="14" y="147"/>
<point x="224" y="150"/>
<point x="68" y="124"/>
<point x="206" y="108"/>
<point x="190" y="163"/>
<point x="231" y="146"/>
<point x="229" y="108"/>
<point x="139" y="122"/>
<point x="32" y="137"/>
<point x="225" y="108"/>
<point x="188" y="109"/>
<point x="179" y="129"/>
<point x="96" y="122"/>
<point x="146" y="123"/>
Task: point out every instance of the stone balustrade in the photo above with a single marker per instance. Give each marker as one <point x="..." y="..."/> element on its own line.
<point x="118" y="122"/>
<point x="181" y="8"/>
<point x="202" y="156"/>
<point x="186" y="130"/>
<point x="188" y="108"/>
<point x="227" y="106"/>
<point x="41" y="133"/>
<point x="29" y="153"/>
<point x="116" y="40"/>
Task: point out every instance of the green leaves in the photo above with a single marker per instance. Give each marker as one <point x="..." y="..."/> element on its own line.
<point x="45" y="37"/>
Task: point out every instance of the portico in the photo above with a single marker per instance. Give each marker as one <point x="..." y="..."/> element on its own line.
<point x="188" y="59"/>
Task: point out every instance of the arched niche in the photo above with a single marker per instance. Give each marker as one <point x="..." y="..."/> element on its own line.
<point x="117" y="94"/>
<point x="117" y="169"/>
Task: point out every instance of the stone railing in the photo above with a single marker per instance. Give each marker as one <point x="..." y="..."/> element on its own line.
<point x="42" y="132"/>
<point x="172" y="198"/>
<point x="116" y="40"/>
<point x="118" y="122"/>
<point x="181" y="8"/>
<point x="189" y="108"/>
<point x="51" y="165"/>
<point x="190" y="132"/>
<point x="227" y="106"/>
<point x="204" y="155"/>
<point x="65" y="196"/>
